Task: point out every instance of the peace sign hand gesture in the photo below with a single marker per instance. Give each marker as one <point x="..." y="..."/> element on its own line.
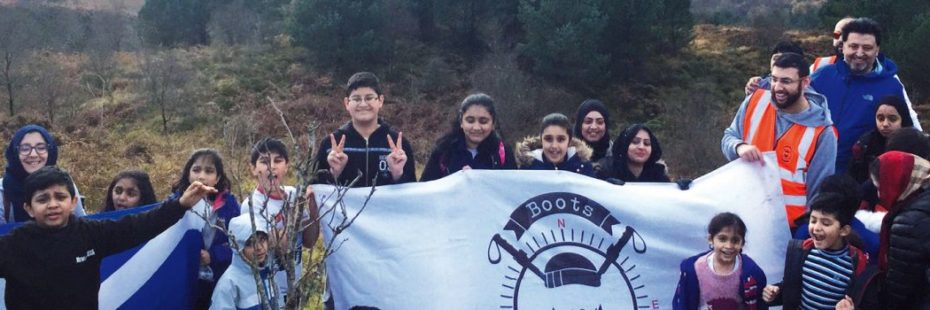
<point x="398" y="158"/>
<point x="337" y="159"/>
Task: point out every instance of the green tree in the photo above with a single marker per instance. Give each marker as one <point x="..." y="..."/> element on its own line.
<point x="172" y="23"/>
<point x="629" y="38"/>
<point x="342" y="35"/>
<point x="674" y="29"/>
<point x="563" y="40"/>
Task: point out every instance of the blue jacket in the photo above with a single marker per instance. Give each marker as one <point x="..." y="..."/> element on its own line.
<point x="852" y="100"/>
<point x="752" y="281"/>
<point x="530" y="156"/>
<point x="220" y="253"/>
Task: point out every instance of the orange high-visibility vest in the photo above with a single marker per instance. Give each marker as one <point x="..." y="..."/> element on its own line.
<point x="794" y="149"/>
<point x="822" y="61"/>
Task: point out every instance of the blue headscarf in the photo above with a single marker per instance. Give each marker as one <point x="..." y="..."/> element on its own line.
<point x="15" y="175"/>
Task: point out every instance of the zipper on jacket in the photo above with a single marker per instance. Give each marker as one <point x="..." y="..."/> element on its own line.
<point x="367" y="164"/>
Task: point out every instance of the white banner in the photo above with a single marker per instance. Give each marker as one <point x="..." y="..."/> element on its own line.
<point x="484" y="239"/>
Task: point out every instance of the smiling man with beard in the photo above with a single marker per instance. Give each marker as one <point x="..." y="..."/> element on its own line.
<point x="855" y="84"/>
<point x="792" y="120"/>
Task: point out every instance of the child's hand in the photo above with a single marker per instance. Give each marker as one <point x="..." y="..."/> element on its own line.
<point x="845" y="304"/>
<point x="204" y="257"/>
<point x="337" y="159"/>
<point x="398" y="158"/>
<point x="770" y="292"/>
<point x="195" y="193"/>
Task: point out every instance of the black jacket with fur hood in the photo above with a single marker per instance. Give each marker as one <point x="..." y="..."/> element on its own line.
<point x="530" y="156"/>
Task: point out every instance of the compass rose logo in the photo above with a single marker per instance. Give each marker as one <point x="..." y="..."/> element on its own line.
<point x="565" y="251"/>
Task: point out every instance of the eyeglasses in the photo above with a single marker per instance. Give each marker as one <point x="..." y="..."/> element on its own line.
<point x="837" y="35"/>
<point x="26" y="149"/>
<point x="359" y="99"/>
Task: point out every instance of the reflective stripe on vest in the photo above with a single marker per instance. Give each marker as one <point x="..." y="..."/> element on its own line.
<point x="794" y="149"/>
<point x="822" y="61"/>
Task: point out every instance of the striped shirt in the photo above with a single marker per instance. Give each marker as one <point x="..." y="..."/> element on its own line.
<point x="825" y="277"/>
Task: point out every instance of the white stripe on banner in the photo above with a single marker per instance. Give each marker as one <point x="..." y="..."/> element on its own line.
<point x="126" y="281"/>
<point x="482" y="239"/>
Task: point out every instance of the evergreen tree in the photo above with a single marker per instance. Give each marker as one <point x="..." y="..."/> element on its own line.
<point x="631" y="37"/>
<point x="563" y="40"/>
<point x="173" y="23"/>
<point x="674" y="29"/>
<point x="343" y="35"/>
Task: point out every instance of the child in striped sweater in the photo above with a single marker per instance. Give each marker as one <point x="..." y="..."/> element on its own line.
<point x="825" y="271"/>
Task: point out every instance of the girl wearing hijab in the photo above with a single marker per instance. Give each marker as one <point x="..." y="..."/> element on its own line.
<point x="635" y="156"/>
<point x="31" y="148"/>
<point x="890" y="115"/>
<point x="904" y="256"/>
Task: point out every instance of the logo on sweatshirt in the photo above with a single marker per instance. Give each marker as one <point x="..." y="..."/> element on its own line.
<point x="565" y="251"/>
<point x="81" y="259"/>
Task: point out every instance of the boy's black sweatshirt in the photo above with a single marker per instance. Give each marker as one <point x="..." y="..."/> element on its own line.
<point x="59" y="268"/>
<point x="366" y="157"/>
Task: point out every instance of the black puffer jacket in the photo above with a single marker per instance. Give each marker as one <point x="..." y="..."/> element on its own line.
<point x="906" y="282"/>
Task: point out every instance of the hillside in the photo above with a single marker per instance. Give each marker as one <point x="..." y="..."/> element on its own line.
<point x="105" y="135"/>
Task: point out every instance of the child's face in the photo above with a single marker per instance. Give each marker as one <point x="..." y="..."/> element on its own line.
<point x="126" y="194"/>
<point x="257" y="250"/>
<point x="51" y="207"/>
<point x="477" y="124"/>
<point x="727" y="246"/>
<point x="555" y="143"/>
<point x="363" y="104"/>
<point x="204" y="170"/>
<point x="268" y="165"/>
<point x="827" y="232"/>
<point x="36" y="153"/>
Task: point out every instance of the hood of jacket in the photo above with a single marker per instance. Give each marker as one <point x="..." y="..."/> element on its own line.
<point x="531" y="149"/>
<point x="888" y="68"/>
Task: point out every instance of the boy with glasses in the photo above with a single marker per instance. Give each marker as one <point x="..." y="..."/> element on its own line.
<point x="366" y="146"/>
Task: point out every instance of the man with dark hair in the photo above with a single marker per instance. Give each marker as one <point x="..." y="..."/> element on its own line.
<point x="793" y="120"/>
<point x="854" y="85"/>
<point x="820" y="62"/>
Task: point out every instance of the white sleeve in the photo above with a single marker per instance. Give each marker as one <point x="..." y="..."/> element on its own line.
<point x="871" y="220"/>
<point x="224" y="295"/>
<point x="79" y="209"/>
<point x="910" y="106"/>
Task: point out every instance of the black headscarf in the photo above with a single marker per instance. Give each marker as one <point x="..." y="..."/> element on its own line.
<point x="652" y="171"/>
<point x="600" y="147"/>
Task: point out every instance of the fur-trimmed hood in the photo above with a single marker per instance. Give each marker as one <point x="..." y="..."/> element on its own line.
<point x="530" y="148"/>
